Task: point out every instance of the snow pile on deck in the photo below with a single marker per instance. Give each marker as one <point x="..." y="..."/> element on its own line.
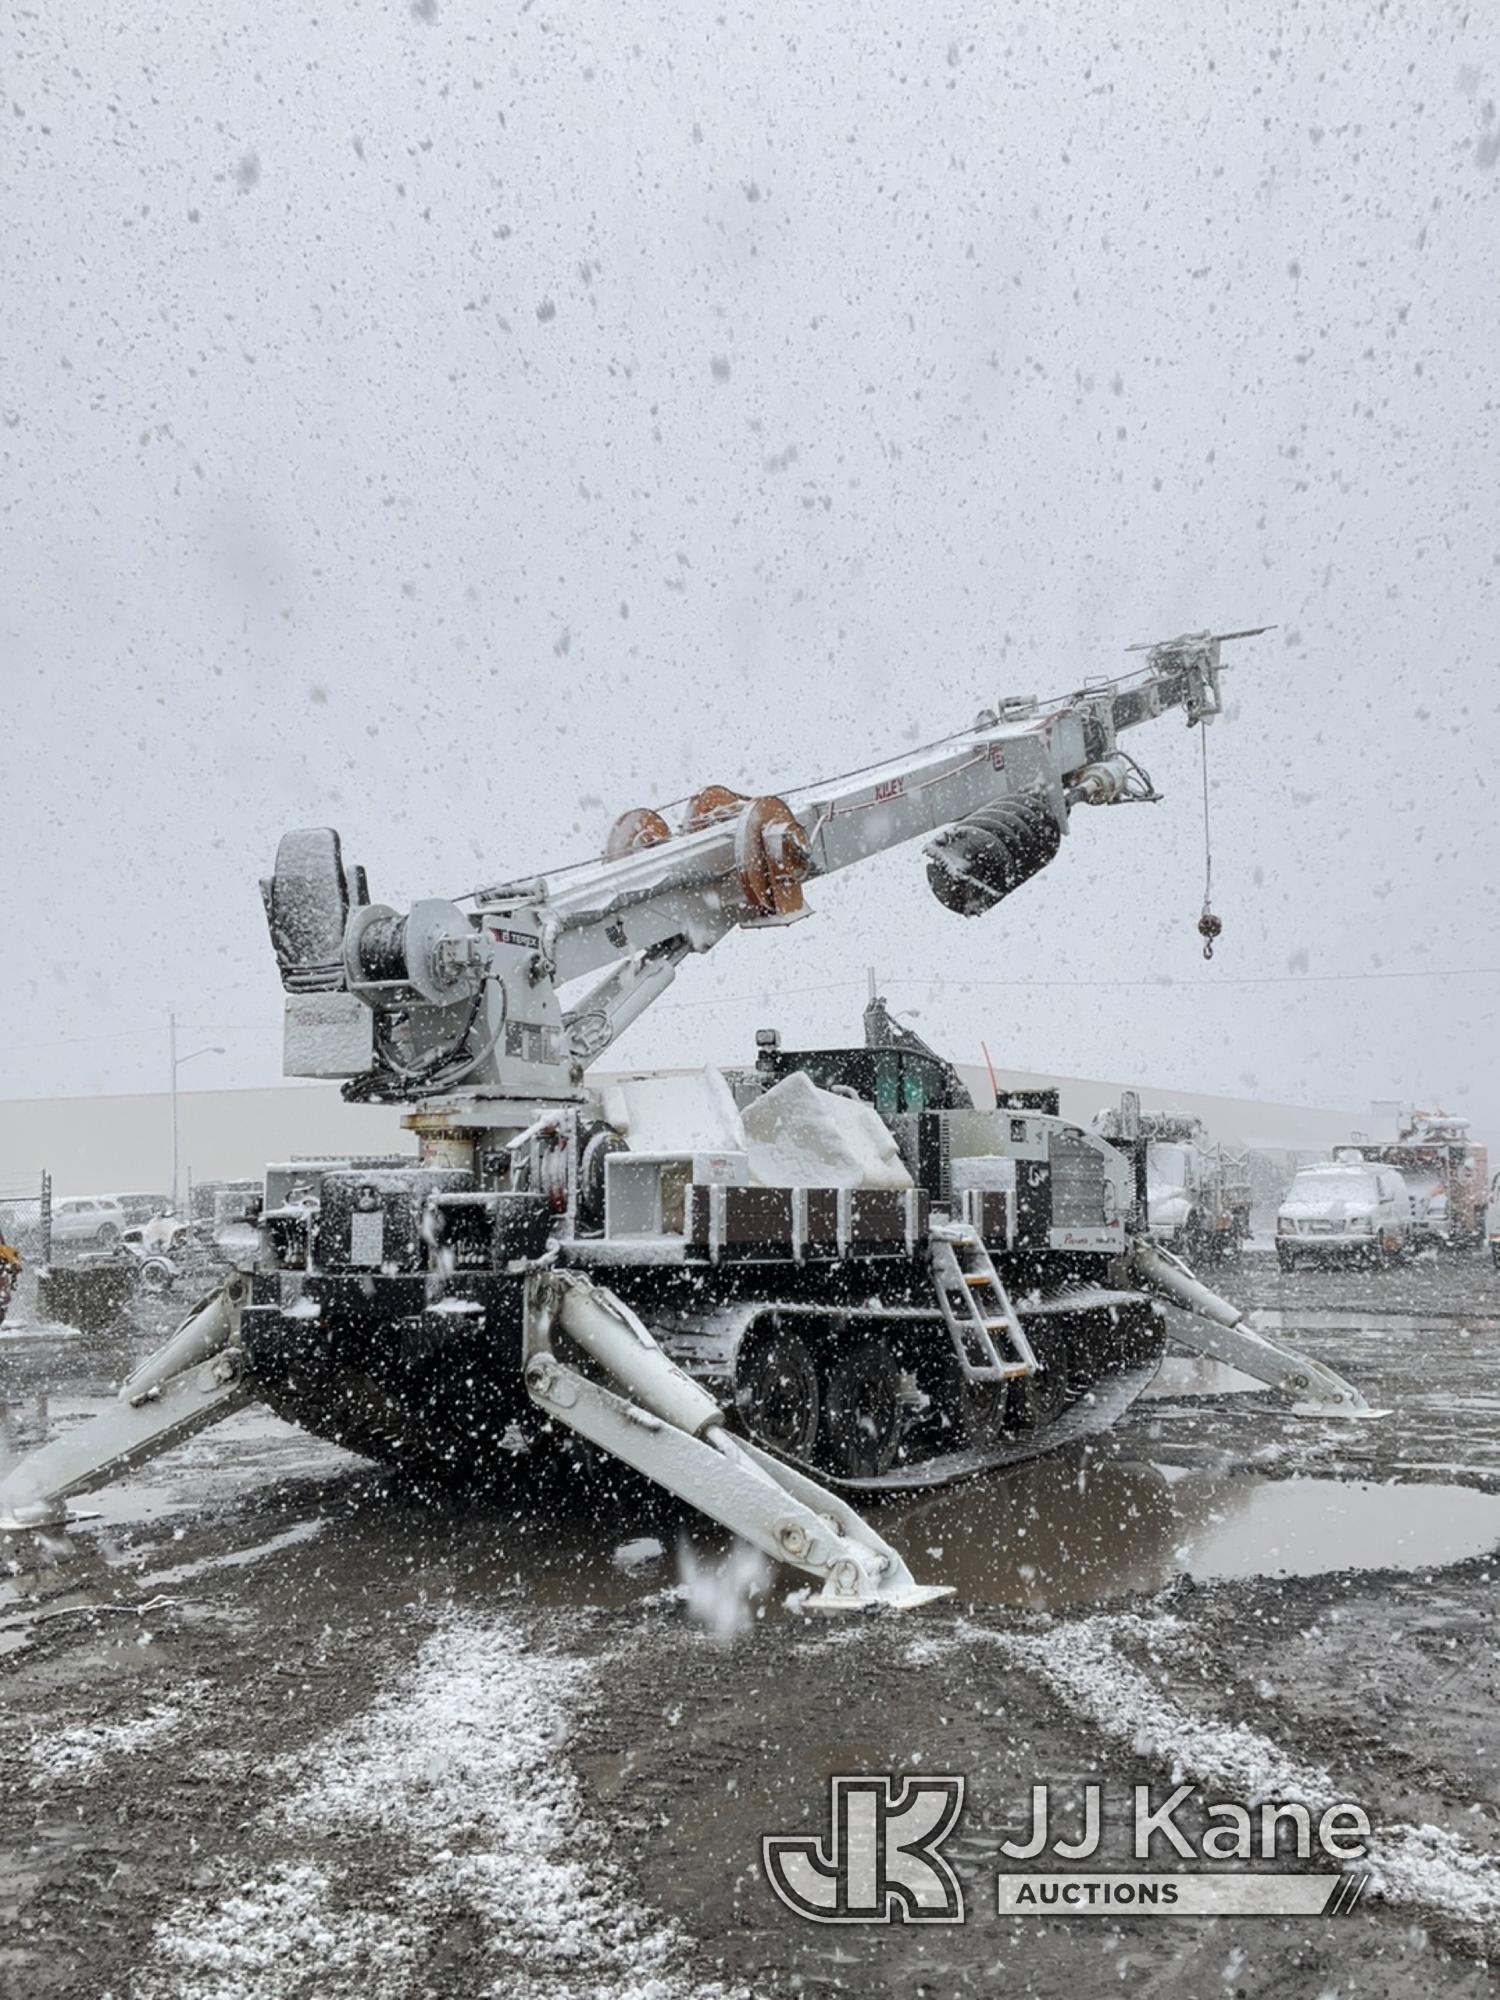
<point x="801" y="1136"/>
<point x="796" y="1135"/>
<point x="694" y="1113"/>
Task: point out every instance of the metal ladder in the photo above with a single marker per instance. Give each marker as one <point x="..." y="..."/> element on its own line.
<point x="976" y="1307"/>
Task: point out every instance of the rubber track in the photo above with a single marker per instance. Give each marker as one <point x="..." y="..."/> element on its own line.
<point x="1097" y="1409"/>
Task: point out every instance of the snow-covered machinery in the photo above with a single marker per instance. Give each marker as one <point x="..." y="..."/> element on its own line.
<point x="834" y="1273"/>
<point x="1446" y="1174"/>
<point x="1198" y="1193"/>
<point x="10" y="1273"/>
<point x="170" y="1250"/>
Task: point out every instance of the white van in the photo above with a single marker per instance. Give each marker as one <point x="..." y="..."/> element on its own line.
<point x="1345" y="1208"/>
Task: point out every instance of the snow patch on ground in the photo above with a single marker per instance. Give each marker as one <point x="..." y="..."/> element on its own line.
<point x="1423" y="1865"/>
<point x="289" y="1538"/>
<point x="461" y="1767"/>
<point x="82" y="1747"/>
<point x="281" y="1938"/>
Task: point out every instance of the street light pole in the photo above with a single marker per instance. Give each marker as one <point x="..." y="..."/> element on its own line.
<point x="177" y="1061"/>
<point x="172" y="1041"/>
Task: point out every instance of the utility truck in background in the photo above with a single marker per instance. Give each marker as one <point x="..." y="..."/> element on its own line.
<point x="1198" y="1194"/>
<point x="1446" y="1173"/>
<point x="775" y="1293"/>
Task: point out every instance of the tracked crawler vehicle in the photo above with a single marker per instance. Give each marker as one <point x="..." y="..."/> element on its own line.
<point x="965" y="1311"/>
<point x="827" y="1274"/>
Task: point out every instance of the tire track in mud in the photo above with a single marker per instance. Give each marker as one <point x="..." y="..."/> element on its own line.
<point x="458" y="1773"/>
<point x="1428" y="1868"/>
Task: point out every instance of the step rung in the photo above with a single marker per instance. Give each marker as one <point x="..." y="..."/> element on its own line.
<point x="1009" y="1371"/>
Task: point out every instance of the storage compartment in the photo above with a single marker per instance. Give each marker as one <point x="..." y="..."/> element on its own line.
<point x="371" y="1221"/>
<point x="645" y="1194"/>
<point x="992" y="1212"/>
<point x="984" y="1195"/>
<point x="1077" y="1182"/>
<point x="772" y="1225"/>
<point x="486" y="1231"/>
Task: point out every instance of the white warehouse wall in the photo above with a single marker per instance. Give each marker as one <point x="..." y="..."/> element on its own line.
<point x="97" y="1145"/>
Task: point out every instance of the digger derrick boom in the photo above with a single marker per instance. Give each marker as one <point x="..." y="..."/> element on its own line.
<point x="442" y="1001"/>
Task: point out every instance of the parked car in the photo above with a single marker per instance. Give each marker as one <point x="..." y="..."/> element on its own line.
<point x="86" y="1222"/>
<point x="140" y="1208"/>
<point x="1344" y="1209"/>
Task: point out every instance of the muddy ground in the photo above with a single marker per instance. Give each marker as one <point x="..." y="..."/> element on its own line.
<point x="271" y="1727"/>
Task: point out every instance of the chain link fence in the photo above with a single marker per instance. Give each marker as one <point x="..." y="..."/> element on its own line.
<point x="25" y="1218"/>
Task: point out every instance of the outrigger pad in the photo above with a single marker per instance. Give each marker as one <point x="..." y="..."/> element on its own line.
<point x="1222" y="1331"/>
<point x="669" y="1428"/>
<point x="97" y="1452"/>
<point x="744" y="1490"/>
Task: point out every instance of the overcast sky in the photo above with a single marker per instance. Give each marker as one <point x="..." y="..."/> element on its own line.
<point x="457" y="423"/>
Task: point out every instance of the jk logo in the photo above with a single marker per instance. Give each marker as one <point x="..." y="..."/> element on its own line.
<point x="880" y="1863"/>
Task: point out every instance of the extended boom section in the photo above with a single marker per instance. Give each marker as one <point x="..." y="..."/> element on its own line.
<point x="415" y="1006"/>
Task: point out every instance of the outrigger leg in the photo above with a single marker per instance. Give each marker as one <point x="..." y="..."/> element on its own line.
<point x="671" y="1429"/>
<point x="1222" y="1331"/>
<point x="194" y="1380"/>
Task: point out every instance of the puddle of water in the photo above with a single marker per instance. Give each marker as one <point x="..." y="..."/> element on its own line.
<point x="1065" y="1532"/>
<point x="122" y="1505"/>
<point x="1318" y="1319"/>
<point x="46" y="1569"/>
<point x="591" y="1577"/>
<point x="300" y="1531"/>
<point x="50" y="1572"/>
<point x="1056" y="1534"/>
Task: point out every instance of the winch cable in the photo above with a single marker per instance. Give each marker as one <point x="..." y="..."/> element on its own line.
<point x="1209" y="926"/>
